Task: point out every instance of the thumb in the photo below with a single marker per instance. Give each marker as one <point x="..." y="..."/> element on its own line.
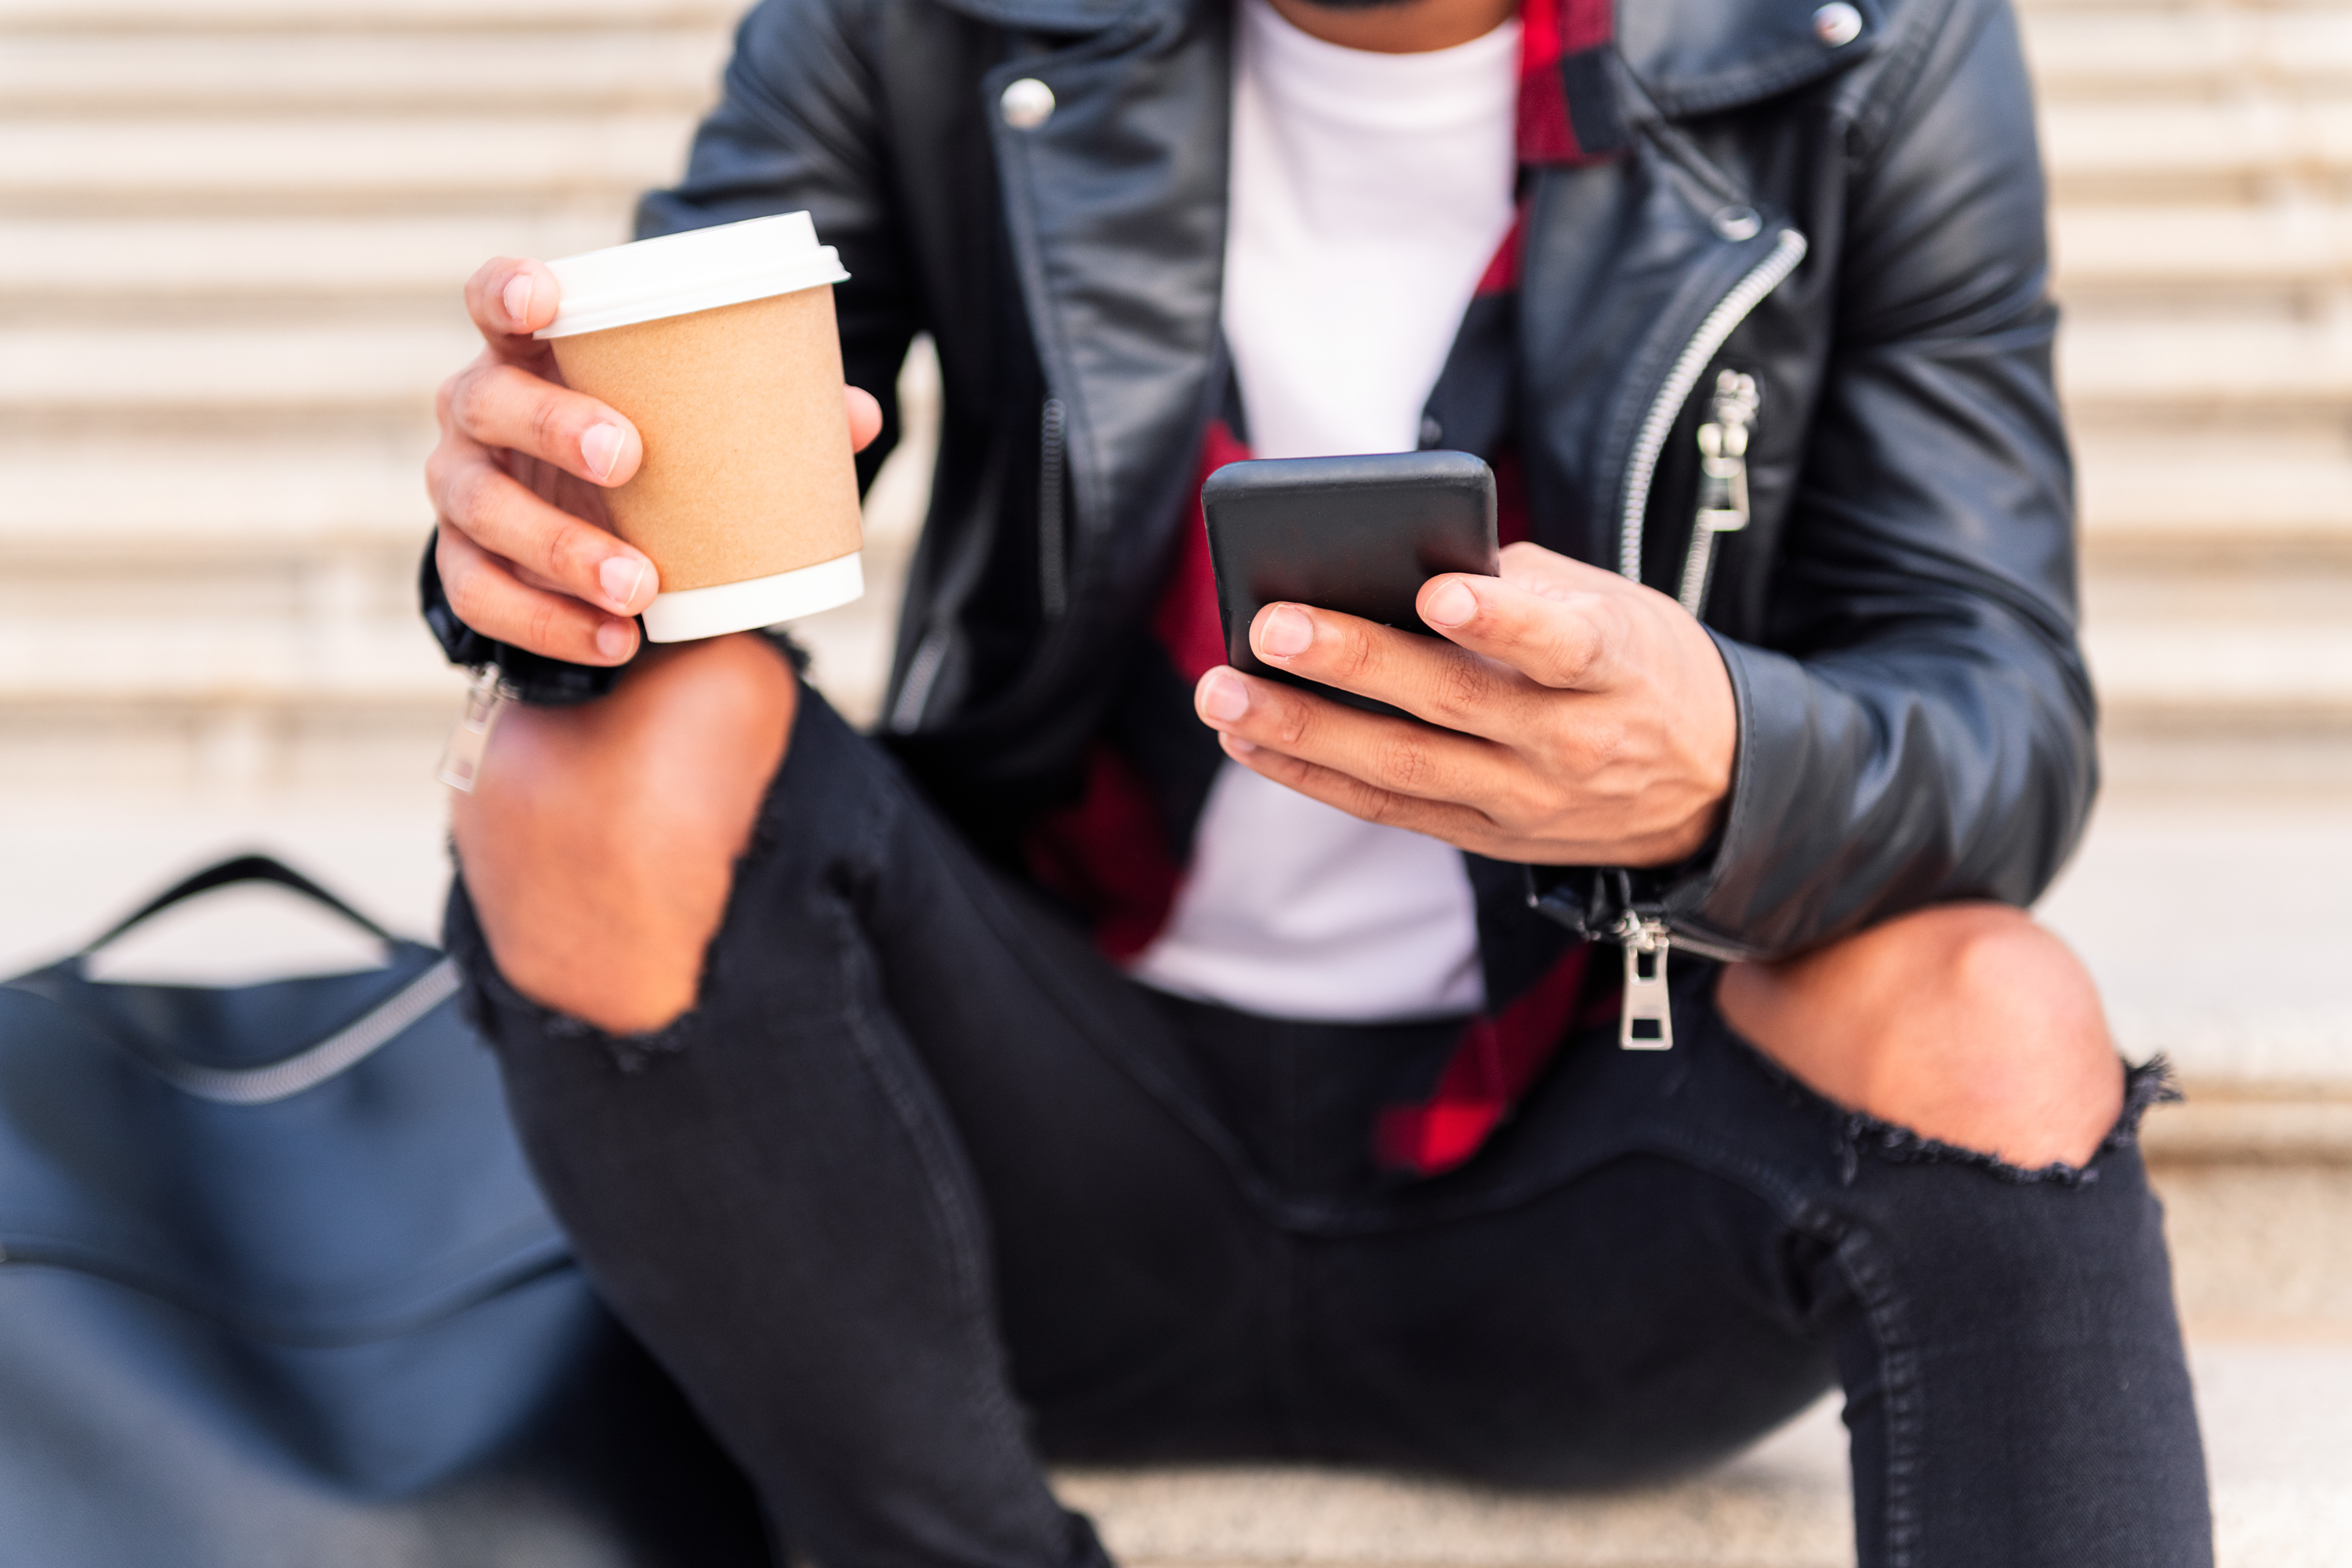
<point x="1554" y="636"/>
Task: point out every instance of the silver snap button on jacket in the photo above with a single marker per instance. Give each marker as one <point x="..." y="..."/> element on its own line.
<point x="1026" y="104"/>
<point x="1837" y="25"/>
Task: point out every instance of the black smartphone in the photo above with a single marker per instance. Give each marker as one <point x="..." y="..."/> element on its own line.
<point x="1359" y="535"/>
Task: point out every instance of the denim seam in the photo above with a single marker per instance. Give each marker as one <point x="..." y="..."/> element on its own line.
<point x="958" y="1230"/>
<point x="954" y="1229"/>
<point x="1899" y="1387"/>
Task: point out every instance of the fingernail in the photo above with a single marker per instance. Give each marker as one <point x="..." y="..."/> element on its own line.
<point x="1451" y="604"/>
<point x="1223" y="696"/>
<point x="621" y="576"/>
<point x="1286" y="632"/>
<point x="516" y="297"/>
<point x="1238" y="746"/>
<point x="600" y="448"/>
<point x="613" y="638"/>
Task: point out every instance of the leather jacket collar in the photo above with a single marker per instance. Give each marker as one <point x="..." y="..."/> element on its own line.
<point x="1690" y="56"/>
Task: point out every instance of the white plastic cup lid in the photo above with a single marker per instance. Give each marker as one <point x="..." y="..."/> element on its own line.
<point x="699" y="269"/>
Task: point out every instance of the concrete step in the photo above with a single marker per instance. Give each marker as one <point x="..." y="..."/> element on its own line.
<point x="106" y="503"/>
<point x="2210" y="901"/>
<point x="220" y="167"/>
<point x="2278" y="1420"/>
<point x="2204" y="632"/>
<point x="275" y="582"/>
<point x="391" y="368"/>
<point x="2188" y="149"/>
<point x="2218" y="362"/>
<point x="2196" y="489"/>
<point x="142" y="77"/>
<point x="2135" y="51"/>
<point x="2222" y="676"/>
<point x="322" y="263"/>
<point x="2193" y="247"/>
<point x="204" y="657"/>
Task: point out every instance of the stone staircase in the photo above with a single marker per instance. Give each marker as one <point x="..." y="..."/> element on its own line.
<point x="231" y="233"/>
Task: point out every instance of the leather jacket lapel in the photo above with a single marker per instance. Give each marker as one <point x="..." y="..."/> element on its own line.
<point x="1116" y="205"/>
<point x="1623" y="264"/>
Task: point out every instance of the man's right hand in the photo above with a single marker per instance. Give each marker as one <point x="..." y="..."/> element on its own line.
<point x="527" y="555"/>
<point x="517" y="482"/>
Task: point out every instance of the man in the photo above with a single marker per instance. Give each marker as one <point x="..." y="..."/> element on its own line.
<point x="1127" y="1058"/>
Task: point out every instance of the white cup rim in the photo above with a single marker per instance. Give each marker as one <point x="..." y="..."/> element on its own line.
<point x="696" y="269"/>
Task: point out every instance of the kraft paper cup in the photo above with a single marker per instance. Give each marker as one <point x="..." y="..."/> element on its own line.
<point x="720" y="345"/>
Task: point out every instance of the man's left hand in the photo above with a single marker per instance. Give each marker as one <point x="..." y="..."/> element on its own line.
<point x="1585" y="720"/>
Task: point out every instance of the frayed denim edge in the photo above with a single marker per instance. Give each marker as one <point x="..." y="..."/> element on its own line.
<point x="2149" y="1083"/>
<point x="484" y="990"/>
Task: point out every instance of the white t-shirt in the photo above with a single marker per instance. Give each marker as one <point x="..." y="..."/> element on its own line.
<point x="1368" y="192"/>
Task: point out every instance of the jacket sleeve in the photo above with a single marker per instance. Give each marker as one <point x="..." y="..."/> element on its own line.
<point x="796" y="130"/>
<point x="1918" y="725"/>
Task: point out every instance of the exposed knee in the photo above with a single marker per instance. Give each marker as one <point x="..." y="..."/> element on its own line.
<point x="1966" y="1023"/>
<point x="600" y="844"/>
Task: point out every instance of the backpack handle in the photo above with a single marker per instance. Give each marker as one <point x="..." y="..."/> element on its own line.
<point x="240" y="868"/>
<point x="290" y="1076"/>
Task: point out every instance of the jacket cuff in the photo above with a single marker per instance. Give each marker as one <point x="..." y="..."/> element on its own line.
<point x="1747" y="899"/>
<point x="1738" y="896"/>
<point x="533" y="677"/>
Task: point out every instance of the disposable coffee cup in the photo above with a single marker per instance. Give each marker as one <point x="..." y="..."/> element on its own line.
<point x="720" y="345"/>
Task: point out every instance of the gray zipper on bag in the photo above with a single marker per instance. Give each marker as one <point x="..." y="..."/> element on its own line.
<point x="307" y="1068"/>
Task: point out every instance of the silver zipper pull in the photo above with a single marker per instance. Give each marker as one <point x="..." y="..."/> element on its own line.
<point x="1722" y="480"/>
<point x="487" y="694"/>
<point x="1646" y="1023"/>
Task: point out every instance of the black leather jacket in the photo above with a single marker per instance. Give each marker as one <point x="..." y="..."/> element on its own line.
<point x="1859" y="227"/>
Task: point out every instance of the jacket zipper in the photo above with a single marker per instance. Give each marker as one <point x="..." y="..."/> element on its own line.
<point x="1723" y="481"/>
<point x="1651" y="440"/>
<point x="1053" y="564"/>
<point x="1645" y="1021"/>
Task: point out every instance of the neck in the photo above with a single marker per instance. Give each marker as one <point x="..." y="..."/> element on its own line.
<point x="1398" y="27"/>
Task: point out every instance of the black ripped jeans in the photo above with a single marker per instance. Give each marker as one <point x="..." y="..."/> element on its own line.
<point x="925" y="1191"/>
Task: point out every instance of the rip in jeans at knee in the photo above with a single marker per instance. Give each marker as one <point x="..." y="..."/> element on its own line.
<point x="632" y="1053"/>
<point x="487" y="996"/>
<point x="1859" y="1132"/>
